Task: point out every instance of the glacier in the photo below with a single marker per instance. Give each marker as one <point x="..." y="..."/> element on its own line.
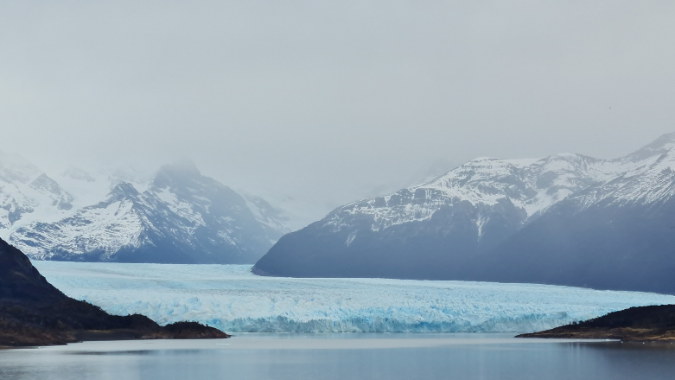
<point x="231" y="298"/>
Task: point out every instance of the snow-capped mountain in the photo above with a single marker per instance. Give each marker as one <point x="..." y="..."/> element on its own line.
<point x="617" y="234"/>
<point x="458" y="225"/>
<point x="28" y="194"/>
<point x="175" y="216"/>
<point x="90" y="186"/>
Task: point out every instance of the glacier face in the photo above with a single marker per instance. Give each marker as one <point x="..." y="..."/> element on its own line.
<point x="174" y="215"/>
<point x="230" y="298"/>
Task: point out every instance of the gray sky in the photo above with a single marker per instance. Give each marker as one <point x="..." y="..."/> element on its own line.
<point x="331" y="101"/>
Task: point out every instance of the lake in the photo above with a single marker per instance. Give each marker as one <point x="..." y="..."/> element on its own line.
<point x="343" y="356"/>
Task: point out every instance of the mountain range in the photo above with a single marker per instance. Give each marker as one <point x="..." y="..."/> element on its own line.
<point x="176" y="215"/>
<point x="565" y="219"/>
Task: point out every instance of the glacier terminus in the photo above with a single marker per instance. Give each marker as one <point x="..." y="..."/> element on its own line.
<point x="231" y="298"/>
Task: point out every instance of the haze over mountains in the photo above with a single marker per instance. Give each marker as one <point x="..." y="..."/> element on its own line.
<point x="176" y="215"/>
<point x="564" y="219"/>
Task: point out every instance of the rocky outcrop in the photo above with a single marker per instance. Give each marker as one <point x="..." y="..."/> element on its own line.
<point x="35" y="313"/>
<point x="646" y="323"/>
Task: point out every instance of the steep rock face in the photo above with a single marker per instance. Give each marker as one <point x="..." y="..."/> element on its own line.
<point x="182" y="217"/>
<point x="20" y="281"/>
<point x="619" y="234"/>
<point x="503" y="220"/>
<point x="630" y="247"/>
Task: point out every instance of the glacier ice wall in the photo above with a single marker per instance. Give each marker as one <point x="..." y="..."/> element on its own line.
<point x="230" y="298"/>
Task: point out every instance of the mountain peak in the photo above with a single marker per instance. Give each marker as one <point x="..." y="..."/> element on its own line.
<point x="659" y="146"/>
<point x="122" y="191"/>
<point x="13" y="167"/>
<point x="183" y="166"/>
<point x="179" y="173"/>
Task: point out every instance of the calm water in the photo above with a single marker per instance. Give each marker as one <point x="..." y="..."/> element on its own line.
<point x="345" y="356"/>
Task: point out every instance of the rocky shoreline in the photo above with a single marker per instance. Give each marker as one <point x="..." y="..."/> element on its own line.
<point x="636" y="324"/>
<point x="35" y="313"/>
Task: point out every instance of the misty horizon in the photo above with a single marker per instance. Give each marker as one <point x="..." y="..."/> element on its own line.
<point x="329" y="103"/>
<point x="300" y="212"/>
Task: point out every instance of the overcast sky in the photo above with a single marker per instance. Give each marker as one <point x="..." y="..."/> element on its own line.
<point x="331" y="101"/>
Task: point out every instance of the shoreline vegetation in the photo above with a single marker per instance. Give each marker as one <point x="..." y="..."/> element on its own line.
<point x="636" y="324"/>
<point x="35" y="313"/>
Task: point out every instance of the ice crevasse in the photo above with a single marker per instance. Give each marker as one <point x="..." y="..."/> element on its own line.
<point x="231" y="298"/>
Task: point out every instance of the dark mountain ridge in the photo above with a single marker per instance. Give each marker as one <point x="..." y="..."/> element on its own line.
<point x="565" y="220"/>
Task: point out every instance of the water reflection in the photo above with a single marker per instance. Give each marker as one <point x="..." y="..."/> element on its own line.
<point x="347" y="356"/>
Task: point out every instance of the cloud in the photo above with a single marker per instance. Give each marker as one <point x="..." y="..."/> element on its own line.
<point x="325" y="101"/>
